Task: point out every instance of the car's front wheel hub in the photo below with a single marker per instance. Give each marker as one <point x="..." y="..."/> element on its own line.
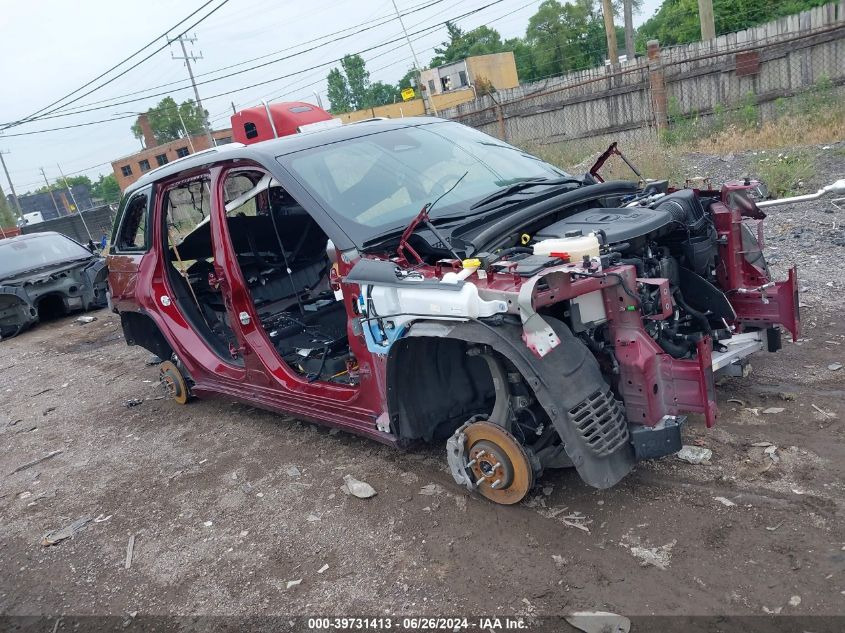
<point x="173" y="382"/>
<point x="497" y="463"/>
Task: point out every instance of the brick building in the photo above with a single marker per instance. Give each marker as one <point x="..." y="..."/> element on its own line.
<point x="129" y="168"/>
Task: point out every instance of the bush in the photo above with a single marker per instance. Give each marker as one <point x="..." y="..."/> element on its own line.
<point x="681" y="128"/>
<point x="719" y="121"/>
<point x="7" y="216"/>
<point x="784" y="174"/>
<point x="746" y="114"/>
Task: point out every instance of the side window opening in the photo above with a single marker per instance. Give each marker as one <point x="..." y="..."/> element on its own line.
<point x="281" y="252"/>
<point x="132" y="234"/>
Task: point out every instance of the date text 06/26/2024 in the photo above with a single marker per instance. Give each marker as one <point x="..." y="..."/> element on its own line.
<point x="415" y="624"/>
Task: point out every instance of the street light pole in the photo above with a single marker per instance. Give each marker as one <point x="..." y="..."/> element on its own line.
<point x="416" y="61"/>
<point x="50" y="191"/>
<point x="185" y="130"/>
<point x="75" y="203"/>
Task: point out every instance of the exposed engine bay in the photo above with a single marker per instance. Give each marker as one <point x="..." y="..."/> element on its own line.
<point x="674" y="239"/>
<point x="662" y="288"/>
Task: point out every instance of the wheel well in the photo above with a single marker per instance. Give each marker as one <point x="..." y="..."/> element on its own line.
<point x="51" y="306"/>
<point x="434" y="386"/>
<point x="140" y="329"/>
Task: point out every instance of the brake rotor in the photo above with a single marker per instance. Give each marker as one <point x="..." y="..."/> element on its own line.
<point x="174" y="382"/>
<point x="498" y="463"/>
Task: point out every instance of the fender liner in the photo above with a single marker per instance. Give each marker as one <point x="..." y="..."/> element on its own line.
<point x="567" y="378"/>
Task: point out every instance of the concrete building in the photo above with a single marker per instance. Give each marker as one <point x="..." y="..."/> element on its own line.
<point x="496" y="69"/>
<point x="129" y="168"/>
<point x="448" y="86"/>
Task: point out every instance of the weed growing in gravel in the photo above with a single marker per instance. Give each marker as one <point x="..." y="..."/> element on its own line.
<point x="784" y="174"/>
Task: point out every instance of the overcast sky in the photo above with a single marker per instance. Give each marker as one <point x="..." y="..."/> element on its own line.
<point x="49" y="48"/>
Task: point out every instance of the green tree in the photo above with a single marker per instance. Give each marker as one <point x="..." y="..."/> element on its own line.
<point x="565" y="37"/>
<point x="381" y="93"/>
<point x="349" y="87"/>
<point x="338" y="92"/>
<point x="523" y="56"/>
<point x="7" y="216"/>
<point x="165" y="123"/>
<point x="106" y="189"/>
<point x="676" y="21"/>
<point x="358" y="80"/>
<point x="460" y="45"/>
<point x="59" y="184"/>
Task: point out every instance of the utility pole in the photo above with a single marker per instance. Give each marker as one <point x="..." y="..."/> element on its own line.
<point x="52" y="197"/>
<point x="185" y="130"/>
<point x="708" y="23"/>
<point x="416" y="61"/>
<point x="2" y="202"/>
<point x="11" y="185"/>
<point x="75" y="203"/>
<point x="629" y="29"/>
<point x="610" y="31"/>
<point x="188" y="59"/>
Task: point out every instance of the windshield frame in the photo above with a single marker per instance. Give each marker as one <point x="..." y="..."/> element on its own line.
<point x="16" y="272"/>
<point x="362" y="234"/>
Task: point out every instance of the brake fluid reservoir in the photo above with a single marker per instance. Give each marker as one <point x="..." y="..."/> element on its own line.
<point x="576" y="246"/>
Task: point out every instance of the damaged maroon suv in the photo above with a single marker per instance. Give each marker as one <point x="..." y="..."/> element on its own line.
<point x="417" y="280"/>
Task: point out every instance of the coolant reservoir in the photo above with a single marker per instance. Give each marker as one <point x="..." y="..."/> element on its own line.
<point x="576" y="246"/>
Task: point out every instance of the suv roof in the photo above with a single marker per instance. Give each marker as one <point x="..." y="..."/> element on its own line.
<point x="269" y="150"/>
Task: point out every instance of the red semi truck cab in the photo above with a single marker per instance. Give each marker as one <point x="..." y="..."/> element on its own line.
<point x="262" y="123"/>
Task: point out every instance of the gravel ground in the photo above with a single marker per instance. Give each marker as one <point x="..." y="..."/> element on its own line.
<point x="228" y="504"/>
<point x="810" y="235"/>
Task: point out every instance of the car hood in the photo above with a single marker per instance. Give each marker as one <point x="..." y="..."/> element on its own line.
<point x="41" y="274"/>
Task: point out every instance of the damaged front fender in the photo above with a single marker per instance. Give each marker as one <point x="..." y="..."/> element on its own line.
<point x="568" y="384"/>
<point x="16" y="311"/>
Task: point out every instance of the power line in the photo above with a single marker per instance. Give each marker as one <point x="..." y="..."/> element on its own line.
<point x="404" y="59"/>
<point x="268" y="97"/>
<point x="260" y="83"/>
<point x="256" y="67"/>
<point x="389" y="18"/>
<point x="188" y="59"/>
<point x="32" y="116"/>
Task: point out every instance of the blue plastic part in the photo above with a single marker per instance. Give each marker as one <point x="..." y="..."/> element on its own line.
<point x="377" y="334"/>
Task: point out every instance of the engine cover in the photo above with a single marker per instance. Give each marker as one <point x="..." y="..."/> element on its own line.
<point x="618" y="224"/>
